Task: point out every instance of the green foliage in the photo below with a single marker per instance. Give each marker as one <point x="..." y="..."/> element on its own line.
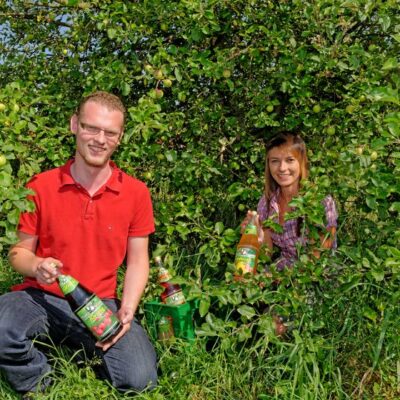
<point x="206" y="84"/>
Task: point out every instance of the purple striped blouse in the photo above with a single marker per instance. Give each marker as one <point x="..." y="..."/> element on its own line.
<point x="287" y="240"/>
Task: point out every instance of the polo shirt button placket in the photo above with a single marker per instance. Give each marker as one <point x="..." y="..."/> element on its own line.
<point x="89" y="212"/>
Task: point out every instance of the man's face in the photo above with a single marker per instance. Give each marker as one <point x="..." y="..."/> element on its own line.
<point x="98" y="131"/>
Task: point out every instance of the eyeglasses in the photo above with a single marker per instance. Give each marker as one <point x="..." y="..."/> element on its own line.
<point x="95" y="130"/>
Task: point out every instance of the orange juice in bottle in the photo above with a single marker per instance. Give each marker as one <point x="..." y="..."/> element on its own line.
<point x="248" y="249"/>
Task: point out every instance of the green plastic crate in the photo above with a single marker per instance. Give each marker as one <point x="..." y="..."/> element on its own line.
<point x="182" y="318"/>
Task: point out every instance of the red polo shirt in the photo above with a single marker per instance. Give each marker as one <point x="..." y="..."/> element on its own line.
<point x="88" y="234"/>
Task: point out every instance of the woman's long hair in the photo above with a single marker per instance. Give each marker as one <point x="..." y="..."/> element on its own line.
<point x="297" y="146"/>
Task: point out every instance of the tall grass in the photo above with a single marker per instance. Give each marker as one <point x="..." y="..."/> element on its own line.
<point x="347" y="356"/>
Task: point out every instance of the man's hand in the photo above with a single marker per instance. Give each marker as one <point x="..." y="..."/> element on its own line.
<point x="47" y="270"/>
<point x="125" y="316"/>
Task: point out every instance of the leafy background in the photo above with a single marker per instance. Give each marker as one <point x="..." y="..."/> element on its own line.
<point x="206" y="84"/>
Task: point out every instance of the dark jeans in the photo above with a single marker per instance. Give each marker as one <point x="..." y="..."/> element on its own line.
<point x="32" y="314"/>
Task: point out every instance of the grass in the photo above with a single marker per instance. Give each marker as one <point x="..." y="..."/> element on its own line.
<point x="349" y="357"/>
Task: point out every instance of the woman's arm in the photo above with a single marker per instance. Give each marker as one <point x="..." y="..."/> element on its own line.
<point x="328" y="238"/>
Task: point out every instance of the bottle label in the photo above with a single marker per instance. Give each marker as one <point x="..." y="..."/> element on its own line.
<point x="163" y="275"/>
<point x="175" y="298"/>
<point x="67" y="283"/>
<point x="250" y="229"/>
<point x="245" y="259"/>
<point x="100" y="320"/>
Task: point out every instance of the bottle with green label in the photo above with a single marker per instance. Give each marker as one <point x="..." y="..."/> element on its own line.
<point x="172" y="294"/>
<point x="92" y="311"/>
<point x="248" y="249"/>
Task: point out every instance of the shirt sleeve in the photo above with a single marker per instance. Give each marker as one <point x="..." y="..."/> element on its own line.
<point x="330" y="212"/>
<point x="142" y="223"/>
<point x="29" y="221"/>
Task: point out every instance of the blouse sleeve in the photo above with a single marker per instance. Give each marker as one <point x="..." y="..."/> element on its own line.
<point x="262" y="209"/>
<point x="330" y="212"/>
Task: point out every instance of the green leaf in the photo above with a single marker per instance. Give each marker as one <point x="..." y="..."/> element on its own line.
<point x="369" y="313"/>
<point x="204" y="306"/>
<point x="371" y="203"/>
<point x="177" y="74"/>
<point x="378" y="275"/>
<point x="385" y="94"/>
<point x="126" y="89"/>
<point x="247" y="311"/>
<point x="395" y="206"/>
<point x="219" y="227"/>
<point x="391" y="63"/>
<point x="112" y="33"/>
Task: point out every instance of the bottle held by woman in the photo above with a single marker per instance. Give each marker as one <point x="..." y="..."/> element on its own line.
<point x="248" y="248"/>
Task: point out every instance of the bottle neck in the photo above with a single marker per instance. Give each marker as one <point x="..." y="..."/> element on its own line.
<point x="163" y="275"/>
<point x="67" y="283"/>
<point x="251" y="228"/>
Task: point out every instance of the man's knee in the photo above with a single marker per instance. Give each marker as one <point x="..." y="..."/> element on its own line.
<point x="144" y="378"/>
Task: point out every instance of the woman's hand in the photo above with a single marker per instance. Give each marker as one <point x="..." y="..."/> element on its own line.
<point x="247" y="219"/>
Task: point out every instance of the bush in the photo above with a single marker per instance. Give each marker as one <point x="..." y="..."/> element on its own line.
<point x="206" y="85"/>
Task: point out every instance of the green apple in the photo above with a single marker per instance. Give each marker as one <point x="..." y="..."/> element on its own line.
<point x="359" y="150"/>
<point x="167" y="82"/>
<point x="226" y="73"/>
<point x="158" y="74"/>
<point x="15" y="107"/>
<point x="316" y="108"/>
<point x="374" y="155"/>
<point x="3" y="160"/>
<point x="330" y="130"/>
<point x="270" y="108"/>
<point x="350" y="109"/>
<point x="182" y="96"/>
<point x="148" y="68"/>
<point x="2" y="107"/>
<point x="159" y="93"/>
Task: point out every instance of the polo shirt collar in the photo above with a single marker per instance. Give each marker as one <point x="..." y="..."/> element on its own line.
<point x="114" y="183"/>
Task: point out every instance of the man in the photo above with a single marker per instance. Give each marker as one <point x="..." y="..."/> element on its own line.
<point x="89" y="217"/>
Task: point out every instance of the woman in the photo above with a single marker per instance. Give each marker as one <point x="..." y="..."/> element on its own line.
<point x="286" y="166"/>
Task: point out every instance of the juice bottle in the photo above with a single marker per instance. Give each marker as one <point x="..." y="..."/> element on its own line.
<point x="248" y="249"/>
<point x="92" y="311"/>
<point x="172" y="293"/>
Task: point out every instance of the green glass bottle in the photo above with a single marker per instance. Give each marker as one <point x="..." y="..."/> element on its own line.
<point x="92" y="311"/>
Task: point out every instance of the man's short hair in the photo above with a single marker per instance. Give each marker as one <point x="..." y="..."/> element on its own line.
<point x="109" y="100"/>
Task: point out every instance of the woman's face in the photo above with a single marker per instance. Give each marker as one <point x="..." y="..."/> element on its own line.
<point x="284" y="167"/>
